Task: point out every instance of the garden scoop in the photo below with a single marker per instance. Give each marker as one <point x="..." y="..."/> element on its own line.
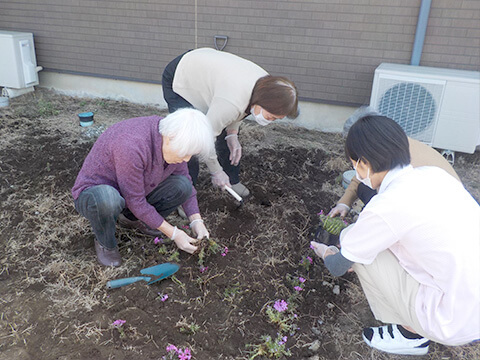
<point x="157" y="272"/>
<point x="235" y="195"/>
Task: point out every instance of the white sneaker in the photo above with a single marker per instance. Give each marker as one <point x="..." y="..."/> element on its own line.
<point x="389" y="339"/>
<point x="241" y="190"/>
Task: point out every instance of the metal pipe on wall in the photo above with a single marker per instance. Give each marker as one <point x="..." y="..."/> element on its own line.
<point x="420" y="32"/>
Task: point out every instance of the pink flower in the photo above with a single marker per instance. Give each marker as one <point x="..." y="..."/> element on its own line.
<point x="157" y="241"/>
<point x="311" y="247"/>
<point x="164" y="298"/>
<point x="203" y="269"/>
<point x="118" y="323"/>
<point x="301" y="279"/>
<point x="298" y="288"/>
<point x="320" y="213"/>
<point x="310" y="259"/>
<point x="171" y="348"/>
<point x="184" y="355"/>
<point x="185" y="226"/>
<point x="225" y="251"/>
<point x="280" y="305"/>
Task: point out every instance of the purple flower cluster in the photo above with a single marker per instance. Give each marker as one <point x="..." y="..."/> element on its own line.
<point x="118" y="323"/>
<point x="280" y="305"/>
<point x="283" y="340"/>
<point x="182" y="354"/>
<point x="203" y="269"/>
<point x="225" y="251"/>
<point x="157" y="241"/>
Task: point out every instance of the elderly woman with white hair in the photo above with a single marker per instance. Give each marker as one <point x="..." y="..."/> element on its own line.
<point x="137" y="172"/>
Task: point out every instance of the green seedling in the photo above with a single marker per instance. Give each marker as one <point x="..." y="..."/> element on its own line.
<point x="174" y="257"/>
<point x="333" y="225"/>
<point x="231" y="291"/>
<point x="189" y="328"/>
<point x="207" y="247"/>
<point x="270" y="348"/>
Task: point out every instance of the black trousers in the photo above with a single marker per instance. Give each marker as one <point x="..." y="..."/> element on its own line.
<point x="365" y="193"/>
<point x="176" y="102"/>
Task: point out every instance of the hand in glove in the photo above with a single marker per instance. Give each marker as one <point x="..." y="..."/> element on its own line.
<point x="323" y="250"/>
<point x="340" y="209"/>
<point x="199" y="229"/>
<point x="183" y="241"/>
<point x="235" y="148"/>
<point x="220" y="179"/>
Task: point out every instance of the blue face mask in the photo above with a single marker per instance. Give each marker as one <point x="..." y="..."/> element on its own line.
<point x="366" y="181"/>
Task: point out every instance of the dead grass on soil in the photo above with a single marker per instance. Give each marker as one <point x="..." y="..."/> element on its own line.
<point x="52" y="291"/>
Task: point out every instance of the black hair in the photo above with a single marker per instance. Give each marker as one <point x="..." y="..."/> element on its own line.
<point x="378" y="140"/>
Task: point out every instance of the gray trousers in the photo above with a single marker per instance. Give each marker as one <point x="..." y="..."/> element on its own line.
<point x="102" y="204"/>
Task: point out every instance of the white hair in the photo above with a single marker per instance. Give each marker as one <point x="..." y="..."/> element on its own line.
<point x="189" y="131"/>
<point x="358" y="114"/>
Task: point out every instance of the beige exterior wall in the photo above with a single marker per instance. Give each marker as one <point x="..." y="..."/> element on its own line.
<point x="329" y="48"/>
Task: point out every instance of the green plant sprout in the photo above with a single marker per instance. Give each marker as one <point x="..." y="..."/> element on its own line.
<point x="174" y="257"/>
<point x="306" y="262"/>
<point x="281" y="314"/>
<point x="118" y="324"/>
<point x="185" y="327"/>
<point x="333" y="225"/>
<point x="231" y="291"/>
<point x="46" y="108"/>
<point x="207" y="247"/>
<point x="271" y="348"/>
<point x="162" y="250"/>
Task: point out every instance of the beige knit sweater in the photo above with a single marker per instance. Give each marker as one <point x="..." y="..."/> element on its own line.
<point x="220" y="85"/>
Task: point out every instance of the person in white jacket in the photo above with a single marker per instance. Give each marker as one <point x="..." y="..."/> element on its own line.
<point x="227" y="88"/>
<point x="415" y="246"/>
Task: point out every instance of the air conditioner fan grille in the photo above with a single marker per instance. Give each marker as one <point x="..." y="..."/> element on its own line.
<point x="413" y="107"/>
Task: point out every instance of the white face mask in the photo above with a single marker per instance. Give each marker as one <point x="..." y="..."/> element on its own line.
<point x="260" y="119"/>
<point x="366" y="181"/>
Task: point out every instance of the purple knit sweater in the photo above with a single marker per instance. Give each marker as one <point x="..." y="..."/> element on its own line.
<point x="128" y="156"/>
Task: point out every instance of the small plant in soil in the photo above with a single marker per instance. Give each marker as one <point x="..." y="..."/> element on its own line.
<point x="333" y="225"/>
<point x="118" y="324"/>
<point x="186" y="327"/>
<point x="174" y="352"/>
<point x="306" y="262"/>
<point x="174" y="257"/>
<point x="281" y="314"/>
<point x="270" y="347"/>
<point x="206" y="248"/>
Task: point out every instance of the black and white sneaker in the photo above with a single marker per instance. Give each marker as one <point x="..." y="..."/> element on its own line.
<point x="391" y="339"/>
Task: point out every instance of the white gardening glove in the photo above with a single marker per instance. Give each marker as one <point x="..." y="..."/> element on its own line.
<point x="323" y="250"/>
<point x="235" y="148"/>
<point x="220" y="179"/>
<point x="183" y="241"/>
<point x="340" y="209"/>
<point x="198" y="227"/>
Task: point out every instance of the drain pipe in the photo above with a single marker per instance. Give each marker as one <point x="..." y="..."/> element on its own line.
<point x="420" y="32"/>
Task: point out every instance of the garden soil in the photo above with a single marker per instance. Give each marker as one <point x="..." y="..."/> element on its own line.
<point x="54" y="303"/>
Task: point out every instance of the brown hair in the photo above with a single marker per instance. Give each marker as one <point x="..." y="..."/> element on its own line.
<point x="277" y="95"/>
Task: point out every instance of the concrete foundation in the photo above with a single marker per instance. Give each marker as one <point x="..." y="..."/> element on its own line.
<point x="314" y="116"/>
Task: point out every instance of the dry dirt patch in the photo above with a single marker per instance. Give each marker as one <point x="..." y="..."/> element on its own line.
<point x="54" y="303"/>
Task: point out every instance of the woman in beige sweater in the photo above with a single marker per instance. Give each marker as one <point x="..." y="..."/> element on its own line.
<point x="227" y="88"/>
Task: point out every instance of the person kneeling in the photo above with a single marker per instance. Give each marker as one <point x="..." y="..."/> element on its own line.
<point x="137" y="172"/>
<point x="405" y="248"/>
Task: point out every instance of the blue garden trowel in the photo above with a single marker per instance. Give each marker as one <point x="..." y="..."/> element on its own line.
<point x="158" y="273"/>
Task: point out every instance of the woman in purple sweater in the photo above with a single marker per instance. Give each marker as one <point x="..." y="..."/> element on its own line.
<point x="137" y="172"/>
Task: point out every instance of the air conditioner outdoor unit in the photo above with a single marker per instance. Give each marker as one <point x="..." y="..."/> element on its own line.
<point x="440" y="107"/>
<point x="18" y="65"/>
